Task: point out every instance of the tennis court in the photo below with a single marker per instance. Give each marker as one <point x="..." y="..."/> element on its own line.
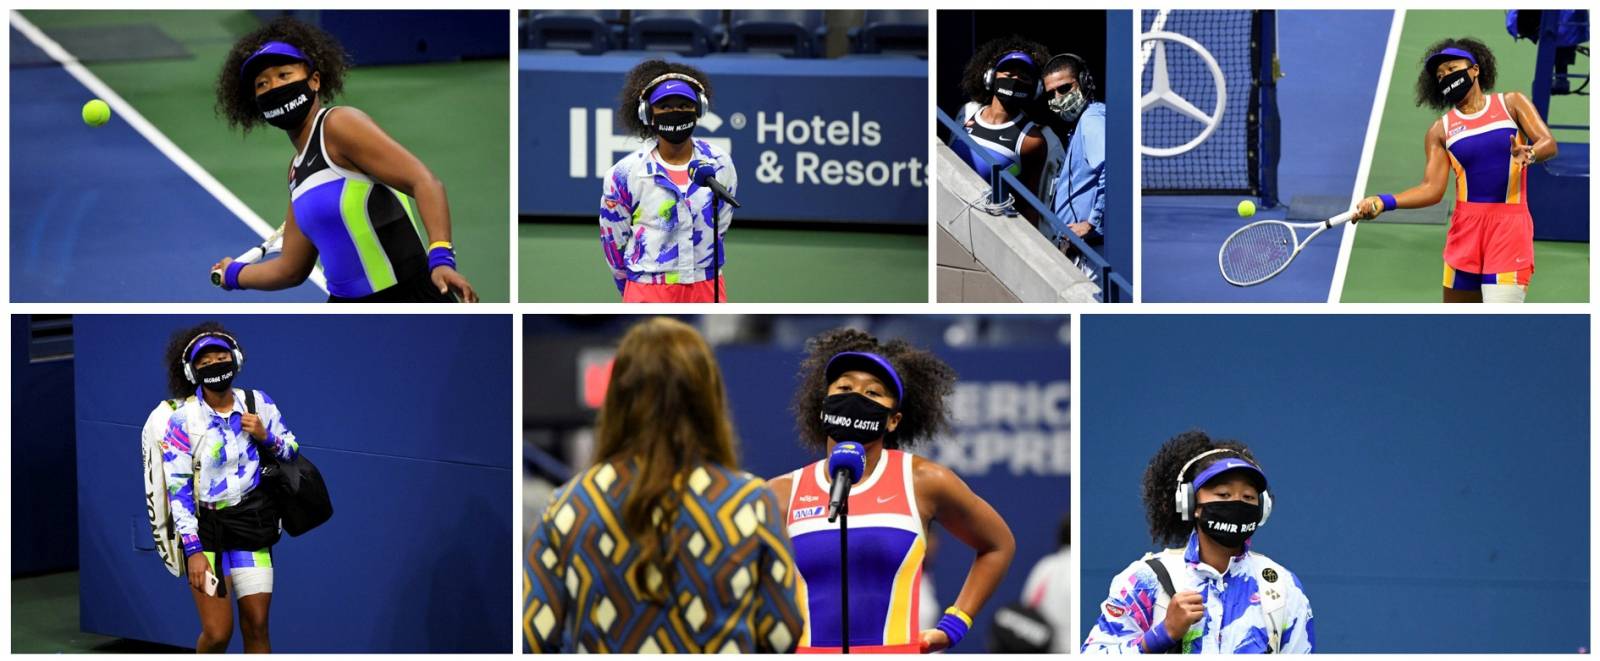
<point x="1398" y="258"/>
<point x="103" y="214"/>
<point x="1326" y="59"/>
<point x="563" y="263"/>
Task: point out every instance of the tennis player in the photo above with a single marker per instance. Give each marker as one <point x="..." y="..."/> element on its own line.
<point x="1002" y="79"/>
<point x="662" y="228"/>
<point x="355" y="195"/>
<point x="1488" y="141"/>
<point x="888" y="397"/>
<point x="211" y="455"/>
<point x="1212" y="594"/>
<point x="663" y="545"/>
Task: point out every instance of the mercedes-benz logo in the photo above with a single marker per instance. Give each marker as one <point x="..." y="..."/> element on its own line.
<point x="1161" y="94"/>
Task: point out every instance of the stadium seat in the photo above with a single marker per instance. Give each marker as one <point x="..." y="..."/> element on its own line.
<point x="588" y="32"/>
<point x="686" y="32"/>
<point x="790" y="33"/>
<point x="901" y="31"/>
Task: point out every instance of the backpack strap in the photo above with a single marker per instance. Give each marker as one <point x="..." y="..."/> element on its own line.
<point x="1272" y="583"/>
<point x="1168" y="590"/>
<point x="250" y="401"/>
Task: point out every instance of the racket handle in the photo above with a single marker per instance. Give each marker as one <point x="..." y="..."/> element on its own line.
<point x="1340" y="219"/>
<point x="249" y="257"/>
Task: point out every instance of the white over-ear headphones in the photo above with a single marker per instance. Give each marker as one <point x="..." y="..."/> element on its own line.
<point x="700" y="100"/>
<point x="1184" y="496"/>
<point x="1038" y="78"/>
<point x="233" y="348"/>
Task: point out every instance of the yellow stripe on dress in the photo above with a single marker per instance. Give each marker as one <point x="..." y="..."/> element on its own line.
<point x="1514" y="180"/>
<point x="905" y="584"/>
<point x="1449" y="277"/>
<point x="1461" y="177"/>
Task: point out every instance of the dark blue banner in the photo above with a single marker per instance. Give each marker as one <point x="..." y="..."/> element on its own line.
<point x="841" y="140"/>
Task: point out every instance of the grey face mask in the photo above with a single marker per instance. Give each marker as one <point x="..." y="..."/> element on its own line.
<point x="1070" y="106"/>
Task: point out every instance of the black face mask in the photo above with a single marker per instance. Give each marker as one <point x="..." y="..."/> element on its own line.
<point x="287" y="106"/>
<point x="216" y="377"/>
<point x="1229" y="522"/>
<point x="1013" y="92"/>
<point x="850" y="416"/>
<point x="675" y="126"/>
<point x="1455" y="86"/>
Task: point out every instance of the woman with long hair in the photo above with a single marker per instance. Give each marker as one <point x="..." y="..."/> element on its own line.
<point x="661" y="224"/>
<point x="889" y="397"/>
<point x="356" y="196"/>
<point x="1489" y="141"/>
<point x="1002" y="80"/>
<point x="1212" y="594"/>
<point x="663" y="545"/>
<point x="212" y="455"/>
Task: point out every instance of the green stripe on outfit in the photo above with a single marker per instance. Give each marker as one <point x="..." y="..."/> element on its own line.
<point x="353" y="210"/>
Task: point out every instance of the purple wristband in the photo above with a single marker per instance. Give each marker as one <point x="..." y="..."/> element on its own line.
<point x="1156" y="639"/>
<point x="191" y="545"/>
<point x="953" y="627"/>
<point x="1388" y="201"/>
<point x="441" y="256"/>
<point x="230" y="276"/>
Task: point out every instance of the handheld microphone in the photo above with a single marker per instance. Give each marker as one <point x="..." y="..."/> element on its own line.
<point x="846" y="464"/>
<point x="705" y="174"/>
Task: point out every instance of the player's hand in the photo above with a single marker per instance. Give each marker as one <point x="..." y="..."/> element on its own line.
<point x="1081" y="229"/>
<point x="198" y="565"/>
<point x="448" y="280"/>
<point x="222" y="265"/>
<point x="934" y="640"/>
<point x="1183" y="612"/>
<point x="1522" y="155"/>
<point x="1368" y="208"/>
<point x="251" y="423"/>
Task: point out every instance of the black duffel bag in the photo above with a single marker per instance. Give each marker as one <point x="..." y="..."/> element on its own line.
<point x="297" y="487"/>
<point x="251" y="525"/>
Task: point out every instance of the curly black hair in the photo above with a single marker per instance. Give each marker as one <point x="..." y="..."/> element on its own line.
<point x="1161" y="481"/>
<point x="633" y="88"/>
<point x="984" y="58"/>
<point x="177" y="384"/>
<point x="924" y="410"/>
<point x="236" y="97"/>
<point x="1428" y="82"/>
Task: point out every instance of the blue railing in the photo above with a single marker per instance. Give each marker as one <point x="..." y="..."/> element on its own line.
<point x="1113" y="287"/>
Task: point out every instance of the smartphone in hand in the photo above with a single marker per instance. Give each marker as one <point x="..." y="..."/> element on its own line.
<point x="214" y="587"/>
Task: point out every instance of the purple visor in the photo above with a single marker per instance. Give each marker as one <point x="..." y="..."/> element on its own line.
<point x="1016" y="56"/>
<point x="273" y="48"/>
<point x="1229" y="464"/>
<point x="1446" y="55"/>
<point x="205" y="342"/>
<point x="673" y="88"/>
<point x="866" y="362"/>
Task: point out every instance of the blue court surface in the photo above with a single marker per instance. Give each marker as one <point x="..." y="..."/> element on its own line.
<point x="99" y="214"/>
<point x="1331" y="61"/>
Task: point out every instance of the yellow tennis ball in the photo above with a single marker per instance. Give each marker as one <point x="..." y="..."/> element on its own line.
<point x="96" y="112"/>
<point x="1247" y="208"/>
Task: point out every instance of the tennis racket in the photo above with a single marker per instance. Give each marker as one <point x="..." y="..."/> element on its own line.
<point x="273" y="245"/>
<point x="1258" y="252"/>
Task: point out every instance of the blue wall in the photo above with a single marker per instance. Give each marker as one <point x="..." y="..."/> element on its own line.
<point x="1430" y="473"/>
<point x="872" y="111"/>
<point x="409" y="419"/>
<point x="1118" y="222"/>
<point x="42" y="457"/>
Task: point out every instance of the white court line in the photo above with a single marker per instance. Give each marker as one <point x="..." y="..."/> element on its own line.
<point x="154" y="135"/>
<point x="1347" y="240"/>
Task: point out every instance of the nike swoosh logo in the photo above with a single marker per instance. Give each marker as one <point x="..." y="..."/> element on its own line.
<point x="882" y="500"/>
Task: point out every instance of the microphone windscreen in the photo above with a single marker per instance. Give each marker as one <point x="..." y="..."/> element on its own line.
<point x="848" y="455"/>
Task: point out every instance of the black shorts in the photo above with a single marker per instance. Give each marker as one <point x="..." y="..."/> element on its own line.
<point x="416" y="289"/>
<point x="248" y="526"/>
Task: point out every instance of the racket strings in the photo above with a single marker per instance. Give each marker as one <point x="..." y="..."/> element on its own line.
<point x="1257" y="252"/>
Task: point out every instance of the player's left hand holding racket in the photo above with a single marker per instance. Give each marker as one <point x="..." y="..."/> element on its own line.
<point x="1258" y="252"/>
<point x="273" y="245"/>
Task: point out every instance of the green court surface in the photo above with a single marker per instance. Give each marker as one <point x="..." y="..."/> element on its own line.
<point x="44" y="620"/>
<point x="1402" y="256"/>
<point x="1400" y="262"/>
<point x="454" y="116"/>
<point x="562" y="263"/>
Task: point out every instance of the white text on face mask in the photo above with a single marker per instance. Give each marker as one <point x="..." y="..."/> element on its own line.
<point x="291" y="105"/>
<point x="852" y="423"/>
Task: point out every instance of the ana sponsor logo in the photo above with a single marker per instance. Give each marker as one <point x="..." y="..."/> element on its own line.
<point x="807" y="513"/>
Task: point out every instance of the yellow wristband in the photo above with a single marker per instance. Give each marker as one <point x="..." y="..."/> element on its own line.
<point x="957" y="612"/>
<point x="441" y="244"/>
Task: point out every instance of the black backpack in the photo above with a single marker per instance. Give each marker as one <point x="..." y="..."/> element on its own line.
<point x="297" y="487"/>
